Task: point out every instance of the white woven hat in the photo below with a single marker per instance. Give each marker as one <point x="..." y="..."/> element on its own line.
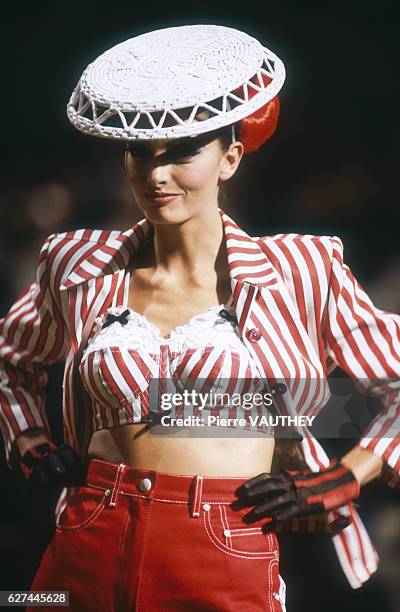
<point x="153" y="86"/>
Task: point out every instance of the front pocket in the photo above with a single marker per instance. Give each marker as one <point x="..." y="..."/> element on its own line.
<point x="83" y="507"/>
<point x="245" y="542"/>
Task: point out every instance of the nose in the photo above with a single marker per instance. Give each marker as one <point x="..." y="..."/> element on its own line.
<point x="157" y="173"/>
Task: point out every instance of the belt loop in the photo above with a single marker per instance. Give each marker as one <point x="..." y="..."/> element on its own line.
<point x="117" y="484"/>
<point x="196" y="495"/>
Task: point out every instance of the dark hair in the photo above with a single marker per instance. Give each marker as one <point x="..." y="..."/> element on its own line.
<point x="225" y="135"/>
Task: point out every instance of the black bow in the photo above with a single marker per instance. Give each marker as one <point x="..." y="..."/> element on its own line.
<point x="122" y="319"/>
<point x="225" y="315"/>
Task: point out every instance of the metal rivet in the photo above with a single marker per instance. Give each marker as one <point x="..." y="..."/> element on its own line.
<point x="227" y="532"/>
<point x="206" y="506"/>
<point x="107" y="492"/>
<point x="145" y="484"/>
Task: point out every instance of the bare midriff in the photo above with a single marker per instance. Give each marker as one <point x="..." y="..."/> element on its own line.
<point x="236" y="455"/>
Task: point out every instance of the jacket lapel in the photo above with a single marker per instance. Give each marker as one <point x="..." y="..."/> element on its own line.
<point x="100" y="280"/>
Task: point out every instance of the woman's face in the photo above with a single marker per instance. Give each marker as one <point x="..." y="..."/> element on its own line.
<point x="173" y="180"/>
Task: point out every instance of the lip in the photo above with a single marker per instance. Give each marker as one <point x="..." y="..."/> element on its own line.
<point x="160" y="198"/>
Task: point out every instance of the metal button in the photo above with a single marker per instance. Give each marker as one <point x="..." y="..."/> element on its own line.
<point x="279" y="389"/>
<point x="206" y="506"/>
<point x="253" y="334"/>
<point x="145" y="484"/>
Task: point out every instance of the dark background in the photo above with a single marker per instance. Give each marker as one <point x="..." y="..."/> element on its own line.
<point x="331" y="168"/>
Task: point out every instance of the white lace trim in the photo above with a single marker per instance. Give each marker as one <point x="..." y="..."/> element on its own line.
<point x="202" y="330"/>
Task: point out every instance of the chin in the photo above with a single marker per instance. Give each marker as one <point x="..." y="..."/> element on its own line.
<point x="165" y="214"/>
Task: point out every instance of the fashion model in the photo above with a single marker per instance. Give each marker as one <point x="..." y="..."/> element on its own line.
<point x="171" y="501"/>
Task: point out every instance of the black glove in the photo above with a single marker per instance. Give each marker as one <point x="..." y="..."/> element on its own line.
<point x="295" y="493"/>
<point x="46" y="464"/>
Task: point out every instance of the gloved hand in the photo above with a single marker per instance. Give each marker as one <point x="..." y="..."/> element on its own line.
<point x="292" y="493"/>
<point x="46" y="464"/>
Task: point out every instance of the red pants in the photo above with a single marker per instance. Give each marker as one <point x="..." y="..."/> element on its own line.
<point x="134" y="539"/>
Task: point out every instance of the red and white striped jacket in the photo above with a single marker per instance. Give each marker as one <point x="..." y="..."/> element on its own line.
<point x="300" y="313"/>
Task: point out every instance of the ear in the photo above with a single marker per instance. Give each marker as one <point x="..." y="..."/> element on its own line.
<point x="231" y="160"/>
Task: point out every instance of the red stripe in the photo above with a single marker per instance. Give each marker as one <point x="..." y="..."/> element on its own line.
<point x="393" y="445"/>
<point x="183" y="363"/>
<point x="19" y="320"/>
<point x="8" y="416"/>
<point x="72" y="316"/>
<point x="317" y="299"/>
<point x="281" y="362"/>
<point x="246" y="308"/>
<point x="312" y="448"/>
<point x="140" y="364"/>
<point x="44" y="331"/>
<point x="24" y="406"/>
<point x="110" y="381"/>
<point x="297" y="281"/>
<point x="84" y="304"/>
<point x="337" y="497"/>
<point x="100" y="393"/>
<point x="366" y="332"/>
<point x="128" y="244"/>
<point x="346" y="332"/>
<point x="105" y="268"/>
<point x="116" y="255"/>
<point x="121" y="292"/>
<point x="61" y="265"/>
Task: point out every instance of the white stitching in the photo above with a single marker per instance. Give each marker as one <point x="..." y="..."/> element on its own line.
<point x="160" y="499"/>
<point x="197" y="496"/>
<point x="237" y="533"/>
<point x="92" y="516"/>
<point x="232" y="552"/>
<point x="270" y="583"/>
<point x="116" y="486"/>
<point x="271" y="541"/>
<point x="172" y="501"/>
<point x="95" y="486"/>
<point x="225" y="524"/>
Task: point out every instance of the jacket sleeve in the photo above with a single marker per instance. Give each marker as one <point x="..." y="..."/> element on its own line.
<point x="32" y="335"/>
<point x="365" y="342"/>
